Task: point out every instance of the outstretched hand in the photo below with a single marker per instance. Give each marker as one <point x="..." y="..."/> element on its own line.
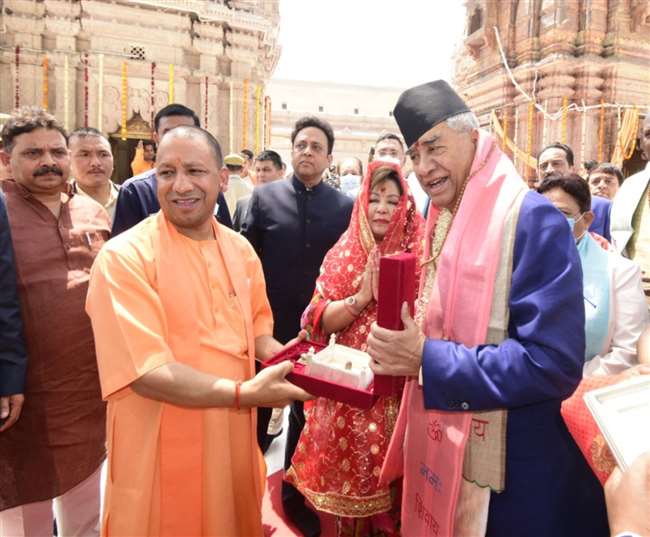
<point x="270" y="388"/>
<point x="396" y="352"/>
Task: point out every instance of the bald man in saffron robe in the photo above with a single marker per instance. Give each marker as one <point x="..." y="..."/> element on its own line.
<point x="179" y="312"/>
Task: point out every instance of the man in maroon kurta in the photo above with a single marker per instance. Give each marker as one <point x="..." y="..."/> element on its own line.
<point x="55" y="449"/>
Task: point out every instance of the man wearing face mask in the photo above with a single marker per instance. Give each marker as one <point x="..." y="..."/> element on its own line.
<point x="350" y="171"/>
<point x="615" y="308"/>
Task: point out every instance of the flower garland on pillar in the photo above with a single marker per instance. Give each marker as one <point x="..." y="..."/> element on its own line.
<point x="205" y="98"/>
<point x="565" y="114"/>
<point x="153" y="96"/>
<point x="244" y="136"/>
<point x="258" y="117"/>
<point x="583" y="129"/>
<point x="544" y="127"/>
<point x="267" y="121"/>
<point x="231" y="117"/>
<point x="46" y="84"/>
<point x="601" y="131"/>
<point x="515" y="137"/>
<point x="86" y="91"/>
<point x="529" y="134"/>
<point x="66" y="92"/>
<point x="17" y="88"/>
<point x="171" y="84"/>
<point x="505" y="129"/>
<point x="124" y="102"/>
<point x="100" y="92"/>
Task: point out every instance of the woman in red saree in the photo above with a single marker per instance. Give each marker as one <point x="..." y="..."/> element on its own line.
<point x="342" y="448"/>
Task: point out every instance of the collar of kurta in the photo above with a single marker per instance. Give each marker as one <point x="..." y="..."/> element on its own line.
<point x="11" y="185"/>
<point x="300" y="186"/>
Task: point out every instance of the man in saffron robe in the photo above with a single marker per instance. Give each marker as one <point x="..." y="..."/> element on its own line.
<point x="179" y="312"/>
<point x="497" y="344"/>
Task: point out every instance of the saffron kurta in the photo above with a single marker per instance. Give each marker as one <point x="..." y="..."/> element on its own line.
<point x="157" y="297"/>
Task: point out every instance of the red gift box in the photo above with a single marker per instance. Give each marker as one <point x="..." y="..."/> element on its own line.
<point x="319" y="387"/>
<point x="396" y="286"/>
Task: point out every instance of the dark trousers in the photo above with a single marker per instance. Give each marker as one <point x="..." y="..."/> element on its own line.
<point x="291" y="497"/>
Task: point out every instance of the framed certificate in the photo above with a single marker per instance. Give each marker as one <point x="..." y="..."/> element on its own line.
<point x="622" y="412"/>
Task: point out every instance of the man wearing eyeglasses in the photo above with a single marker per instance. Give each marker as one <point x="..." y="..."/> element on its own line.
<point x="292" y="224"/>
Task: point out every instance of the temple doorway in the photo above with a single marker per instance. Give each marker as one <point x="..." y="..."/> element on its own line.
<point x="137" y="129"/>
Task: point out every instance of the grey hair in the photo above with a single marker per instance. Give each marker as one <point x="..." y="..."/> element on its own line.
<point x="464" y="122"/>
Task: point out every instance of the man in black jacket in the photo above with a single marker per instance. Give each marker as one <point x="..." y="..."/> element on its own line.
<point x="13" y="357"/>
<point x="292" y="224"/>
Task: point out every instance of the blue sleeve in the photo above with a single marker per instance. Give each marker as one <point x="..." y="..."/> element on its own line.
<point x="13" y="356"/>
<point x="128" y="209"/>
<point x="543" y="355"/>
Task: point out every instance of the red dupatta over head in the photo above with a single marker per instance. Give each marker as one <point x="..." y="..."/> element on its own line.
<point x="343" y="267"/>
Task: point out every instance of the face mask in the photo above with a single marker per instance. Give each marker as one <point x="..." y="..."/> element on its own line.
<point x="572" y="221"/>
<point x="350" y="185"/>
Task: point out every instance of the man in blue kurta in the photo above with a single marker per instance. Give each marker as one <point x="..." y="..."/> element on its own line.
<point x="514" y="375"/>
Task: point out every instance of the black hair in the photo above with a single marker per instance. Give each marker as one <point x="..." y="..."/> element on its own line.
<point x="321" y="124"/>
<point x="85" y="132"/>
<point x="589" y="165"/>
<point x="338" y="166"/>
<point x="247" y="154"/>
<point x="175" y="109"/>
<point x="269" y="154"/>
<point x="27" y="119"/>
<point x="610" y="169"/>
<point x="390" y="136"/>
<point x="574" y="185"/>
<point x="557" y="145"/>
<point x="146" y="143"/>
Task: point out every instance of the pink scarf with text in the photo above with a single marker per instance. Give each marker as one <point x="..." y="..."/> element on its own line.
<point x="428" y="446"/>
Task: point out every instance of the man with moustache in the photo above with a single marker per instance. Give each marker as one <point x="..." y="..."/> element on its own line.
<point x="180" y="313"/>
<point x="604" y="180"/>
<point x="137" y="198"/>
<point x="92" y="167"/>
<point x="631" y="213"/>
<point x="51" y="456"/>
<point x="496" y="345"/>
<point x="558" y="159"/>
<point x="292" y="224"/>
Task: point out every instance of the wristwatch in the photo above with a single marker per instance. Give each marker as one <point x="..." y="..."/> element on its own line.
<point x="351" y="305"/>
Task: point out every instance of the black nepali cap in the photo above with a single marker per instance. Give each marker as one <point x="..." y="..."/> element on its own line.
<point x="421" y="108"/>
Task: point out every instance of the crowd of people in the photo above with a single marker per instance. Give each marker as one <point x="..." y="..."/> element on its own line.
<point x="134" y="317"/>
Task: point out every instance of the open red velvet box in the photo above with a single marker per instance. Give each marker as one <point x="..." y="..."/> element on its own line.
<point x="320" y="387"/>
<point x="396" y="286"/>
